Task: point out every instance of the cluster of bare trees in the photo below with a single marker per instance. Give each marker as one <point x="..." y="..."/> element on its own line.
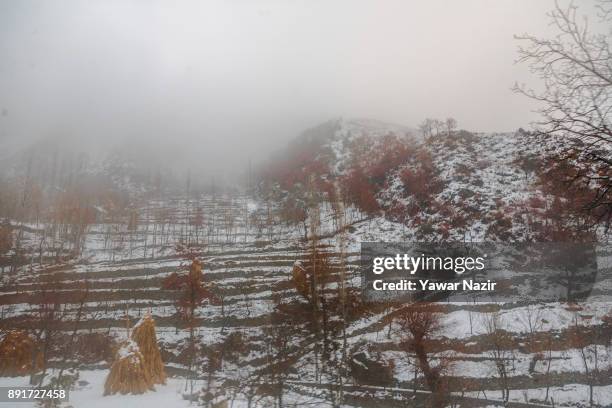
<point x="320" y="278"/>
<point x="223" y="220"/>
<point x="52" y="324"/>
<point x="436" y="127"/>
<point x="575" y="102"/>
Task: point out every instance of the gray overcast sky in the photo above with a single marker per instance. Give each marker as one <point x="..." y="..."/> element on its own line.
<point x="230" y="79"/>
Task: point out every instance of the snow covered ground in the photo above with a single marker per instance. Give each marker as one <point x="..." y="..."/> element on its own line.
<point x="249" y="261"/>
<point x="89" y="393"/>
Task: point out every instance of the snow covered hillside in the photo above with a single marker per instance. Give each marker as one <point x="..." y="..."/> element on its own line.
<point x="342" y="183"/>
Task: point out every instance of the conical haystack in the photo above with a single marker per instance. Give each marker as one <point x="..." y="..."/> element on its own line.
<point x="17" y="354"/>
<point x="144" y="336"/>
<point x="128" y="374"/>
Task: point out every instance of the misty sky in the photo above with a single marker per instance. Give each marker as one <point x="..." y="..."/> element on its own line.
<point x="217" y="82"/>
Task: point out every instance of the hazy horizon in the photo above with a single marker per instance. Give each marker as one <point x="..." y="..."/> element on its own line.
<point x="217" y="83"/>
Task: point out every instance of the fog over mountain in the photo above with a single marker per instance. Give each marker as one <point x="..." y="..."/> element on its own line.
<point x="210" y="85"/>
<point x="306" y="203"/>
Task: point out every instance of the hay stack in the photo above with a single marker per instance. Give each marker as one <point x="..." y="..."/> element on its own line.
<point x="144" y="336"/>
<point x="128" y="374"/>
<point x="16" y="354"/>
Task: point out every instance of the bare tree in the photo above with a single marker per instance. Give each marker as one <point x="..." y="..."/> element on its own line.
<point x="418" y="325"/>
<point x="6" y="242"/>
<point x="531" y="318"/>
<point x="278" y="353"/>
<point x="438" y="126"/>
<point x="451" y="125"/>
<point x="50" y="312"/>
<point x="192" y="293"/>
<point x="500" y="345"/>
<point x="576" y="100"/>
<point x="427" y="127"/>
<point x="588" y="355"/>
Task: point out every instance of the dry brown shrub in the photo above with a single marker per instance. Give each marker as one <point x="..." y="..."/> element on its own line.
<point x="300" y="280"/>
<point x="18" y="354"/>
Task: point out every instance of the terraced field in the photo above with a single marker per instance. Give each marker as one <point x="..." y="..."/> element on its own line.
<point x="248" y="257"/>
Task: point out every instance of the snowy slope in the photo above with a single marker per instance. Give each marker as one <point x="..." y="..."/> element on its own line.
<point x="248" y="252"/>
